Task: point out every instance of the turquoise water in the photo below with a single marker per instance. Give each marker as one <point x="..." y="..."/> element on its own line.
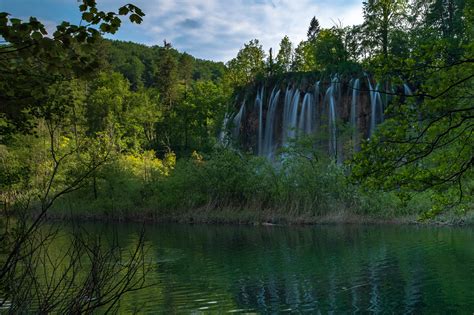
<point x="378" y="269"/>
<point x="313" y="269"/>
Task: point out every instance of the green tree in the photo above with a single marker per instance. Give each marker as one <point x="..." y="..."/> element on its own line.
<point x="285" y="55"/>
<point x="443" y="22"/>
<point x="133" y="69"/>
<point x="32" y="60"/>
<point x="381" y="17"/>
<point x="186" y="64"/>
<point x="354" y="43"/>
<point x="329" y="49"/>
<point x="427" y="141"/>
<point x="166" y="78"/>
<point x="122" y="58"/>
<point x="40" y="75"/>
<point x="248" y="65"/>
<point x="270" y="64"/>
<point x="208" y="101"/>
<point x="113" y="108"/>
<point x="304" y="57"/>
<point x="313" y="29"/>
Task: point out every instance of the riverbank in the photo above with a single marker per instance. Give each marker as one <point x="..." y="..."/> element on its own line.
<point x="231" y="188"/>
<point x="265" y="217"/>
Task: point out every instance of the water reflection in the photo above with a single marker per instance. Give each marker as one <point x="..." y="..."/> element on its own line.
<point x="306" y="269"/>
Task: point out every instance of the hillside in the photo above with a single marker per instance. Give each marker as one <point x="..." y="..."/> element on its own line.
<point x="139" y="63"/>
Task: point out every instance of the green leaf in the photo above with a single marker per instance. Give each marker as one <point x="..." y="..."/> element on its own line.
<point x="105" y="27"/>
<point x="90" y="3"/>
<point x="37" y="35"/>
<point x="116" y="22"/>
<point x="87" y="16"/>
<point x="139" y="12"/>
<point x="15" y="21"/>
<point x="135" y="18"/>
<point x="123" y="10"/>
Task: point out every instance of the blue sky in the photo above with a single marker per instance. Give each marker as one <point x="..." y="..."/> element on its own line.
<point x="208" y="29"/>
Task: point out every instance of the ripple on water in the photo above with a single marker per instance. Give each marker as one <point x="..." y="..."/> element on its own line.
<point x="216" y="269"/>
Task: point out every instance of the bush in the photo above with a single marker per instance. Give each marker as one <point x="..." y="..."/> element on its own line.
<point x="303" y="182"/>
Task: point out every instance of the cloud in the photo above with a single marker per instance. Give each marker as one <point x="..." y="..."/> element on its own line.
<point x="217" y="29"/>
<point x="208" y="29"/>
<point x="189" y="23"/>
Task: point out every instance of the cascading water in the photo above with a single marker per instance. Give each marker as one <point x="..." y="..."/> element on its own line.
<point x="317" y="95"/>
<point x="268" y="145"/>
<point x="237" y="121"/>
<point x="259" y="104"/>
<point x="223" y="136"/>
<point x="406" y="90"/>
<point x="376" y="107"/>
<point x="354" y="111"/>
<point x="331" y="101"/>
<point x="307" y="109"/>
<point x="305" y="125"/>
<point x="286" y="112"/>
<point x="290" y="114"/>
<point x="293" y="118"/>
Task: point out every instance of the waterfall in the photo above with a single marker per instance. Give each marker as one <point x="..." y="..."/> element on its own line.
<point x="223" y="134"/>
<point x="259" y="104"/>
<point x="330" y="99"/>
<point x="268" y="146"/>
<point x="337" y="88"/>
<point x="238" y="120"/>
<point x="406" y="90"/>
<point x="305" y="125"/>
<point x="354" y="111"/>
<point x="293" y="118"/>
<point x="317" y="94"/>
<point x="376" y="107"/>
<point x="286" y="112"/>
<point x="290" y="114"/>
<point x="355" y="95"/>
<point x="298" y="110"/>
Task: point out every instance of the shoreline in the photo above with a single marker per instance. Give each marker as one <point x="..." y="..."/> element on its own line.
<point x="252" y="218"/>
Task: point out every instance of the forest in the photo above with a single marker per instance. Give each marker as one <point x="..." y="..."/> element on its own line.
<point x="98" y="129"/>
<point x="131" y="131"/>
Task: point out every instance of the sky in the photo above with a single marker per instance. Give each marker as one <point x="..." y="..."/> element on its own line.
<point x="207" y="29"/>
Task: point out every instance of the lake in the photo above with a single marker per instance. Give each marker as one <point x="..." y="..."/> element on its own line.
<point x="301" y="269"/>
<point x="379" y="269"/>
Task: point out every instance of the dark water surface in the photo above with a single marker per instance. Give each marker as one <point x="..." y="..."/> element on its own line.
<point x="340" y="269"/>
